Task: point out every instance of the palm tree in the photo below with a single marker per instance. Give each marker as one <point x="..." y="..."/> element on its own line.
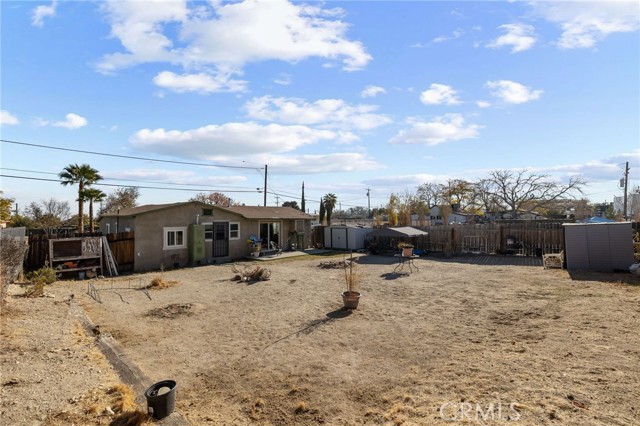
<point x="83" y="175"/>
<point x="91" y="195"/>
<point x="330" y="201"/>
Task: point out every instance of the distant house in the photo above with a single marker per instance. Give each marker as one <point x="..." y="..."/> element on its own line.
<point x="436" y="216"/>
<point x="633" y="204"/>
<point x="198" y="233"/>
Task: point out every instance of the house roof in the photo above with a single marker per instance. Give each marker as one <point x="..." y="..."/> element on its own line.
<point x="141" y="209"/>
<point x="248" y="212"/>
<point x="399" y="232"/>
<point x="259" y="212"/>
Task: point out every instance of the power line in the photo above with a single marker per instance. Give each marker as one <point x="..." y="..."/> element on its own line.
<point x="118" y="179"/>
<point x="137" y="186"/>
<point x="127" y="156"/>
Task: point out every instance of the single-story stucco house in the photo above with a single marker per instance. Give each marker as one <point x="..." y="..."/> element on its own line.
<point x="196" y="233"/>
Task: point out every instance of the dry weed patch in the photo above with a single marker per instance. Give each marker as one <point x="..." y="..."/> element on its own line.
<point x="159" y="283"/>
<point x="112" y="405"/>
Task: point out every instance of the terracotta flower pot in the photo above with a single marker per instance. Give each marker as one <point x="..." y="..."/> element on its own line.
<point x="351" y="299"/>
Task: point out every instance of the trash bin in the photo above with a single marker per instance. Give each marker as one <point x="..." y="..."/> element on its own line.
<point x="161" y="399"/>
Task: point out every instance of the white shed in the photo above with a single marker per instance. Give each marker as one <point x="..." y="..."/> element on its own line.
<point x="345" y="237"/>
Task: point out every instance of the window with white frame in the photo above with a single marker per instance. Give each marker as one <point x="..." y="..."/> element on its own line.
<point x="208" y="231"/>
<point x="234" y="230"/>
<point x="175" y="238"/>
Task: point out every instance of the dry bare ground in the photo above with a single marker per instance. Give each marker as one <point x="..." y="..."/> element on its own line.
<point x="451" y="343"/>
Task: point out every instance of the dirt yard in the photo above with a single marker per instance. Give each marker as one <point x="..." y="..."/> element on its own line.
<point x="455" y="342"/>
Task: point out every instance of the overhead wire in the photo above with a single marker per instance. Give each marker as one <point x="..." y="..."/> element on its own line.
<point x="124" y="180"/>
<point x="257" y="169"/>
<point x="137" y="186"/>
<point x="189" y="163"/>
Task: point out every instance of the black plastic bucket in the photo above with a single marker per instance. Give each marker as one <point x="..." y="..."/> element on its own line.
<point x="160" y="401"/>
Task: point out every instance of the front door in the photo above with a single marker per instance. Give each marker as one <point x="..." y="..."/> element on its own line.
<point x="220" y="239"/>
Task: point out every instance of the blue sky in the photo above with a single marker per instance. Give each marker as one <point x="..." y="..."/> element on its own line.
<point x="344" y="96"/>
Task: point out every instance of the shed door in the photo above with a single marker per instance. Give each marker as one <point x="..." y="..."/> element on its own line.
<point x="220" y="239"/>
<point x="339" y="238"/>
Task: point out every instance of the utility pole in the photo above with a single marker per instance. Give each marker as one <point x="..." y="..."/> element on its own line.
<point x="369" y="203"/>
<point x="302" y="204"/>
<point x="265" y="185"/>
<point x="626" y="179"/>
<point x="277" y="201"/>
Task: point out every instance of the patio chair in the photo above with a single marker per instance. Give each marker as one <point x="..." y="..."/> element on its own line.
<point x="553" y="260"/>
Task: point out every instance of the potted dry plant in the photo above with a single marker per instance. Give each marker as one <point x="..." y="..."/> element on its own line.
<point x="352" y="279"/>
<point x="406" y="249"/>
<point x="254" y="245"/>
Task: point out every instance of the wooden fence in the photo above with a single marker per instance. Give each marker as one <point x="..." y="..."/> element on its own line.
<point x="529" y="238"/>
<point x="123" y="249"/>
<point x="121" y="245"/>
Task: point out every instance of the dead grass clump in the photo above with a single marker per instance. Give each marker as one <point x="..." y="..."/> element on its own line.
<point x="250" y="273"/>
<point x="35" y="290"/>
<point x="173" y="310"/>
<point x="131" y="418"/>
<point x="123" y="398"/>
<point x="301" y="408"/>
<point x="158" y="283"/>
<point x="113" y="406"/>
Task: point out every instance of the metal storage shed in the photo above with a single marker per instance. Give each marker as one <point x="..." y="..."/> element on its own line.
<point x="598" y="246"/>
<point x="345" y="237"/>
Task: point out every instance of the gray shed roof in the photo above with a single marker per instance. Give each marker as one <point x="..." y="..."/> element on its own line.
<point x="399" y="232"/>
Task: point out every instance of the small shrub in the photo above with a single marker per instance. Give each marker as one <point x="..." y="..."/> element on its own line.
<point x="44" y="275"/>
<point x="36" y="290"/>
<point x="38" y="279"/>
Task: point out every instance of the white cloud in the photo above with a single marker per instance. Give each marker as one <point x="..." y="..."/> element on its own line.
<point x="7" y="118"/>
<point x="283" y="79"/>
<point x="439" y="94"/>
<point x="456" y="34"/>
<point x="483" y="104"/>
<point x="208" y="41"/>
<point x="372" y="91"/>
<point x="43" y="11"/>
<point x="322" y="163"/>
<point x="174" y="176"/>
<point x="584" y="24"/>
<point x="606" y="169"/>
<point x="327" y="113"/>
<point x="198" y="83"/>
<point x="520" y="37"/>
<point x="512" y="92"/>
<point x="229" y="139"/>
<point x="72" y="122"/>
<point x="450" y="127"/>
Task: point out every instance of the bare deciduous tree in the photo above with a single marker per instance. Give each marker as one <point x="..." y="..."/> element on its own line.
<point x="430" y="194"/>
<point x="524" y="191"/>
<point x="49" y="215"/>
<point x="121" y="198"/>
<point x="215" y="198"/>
